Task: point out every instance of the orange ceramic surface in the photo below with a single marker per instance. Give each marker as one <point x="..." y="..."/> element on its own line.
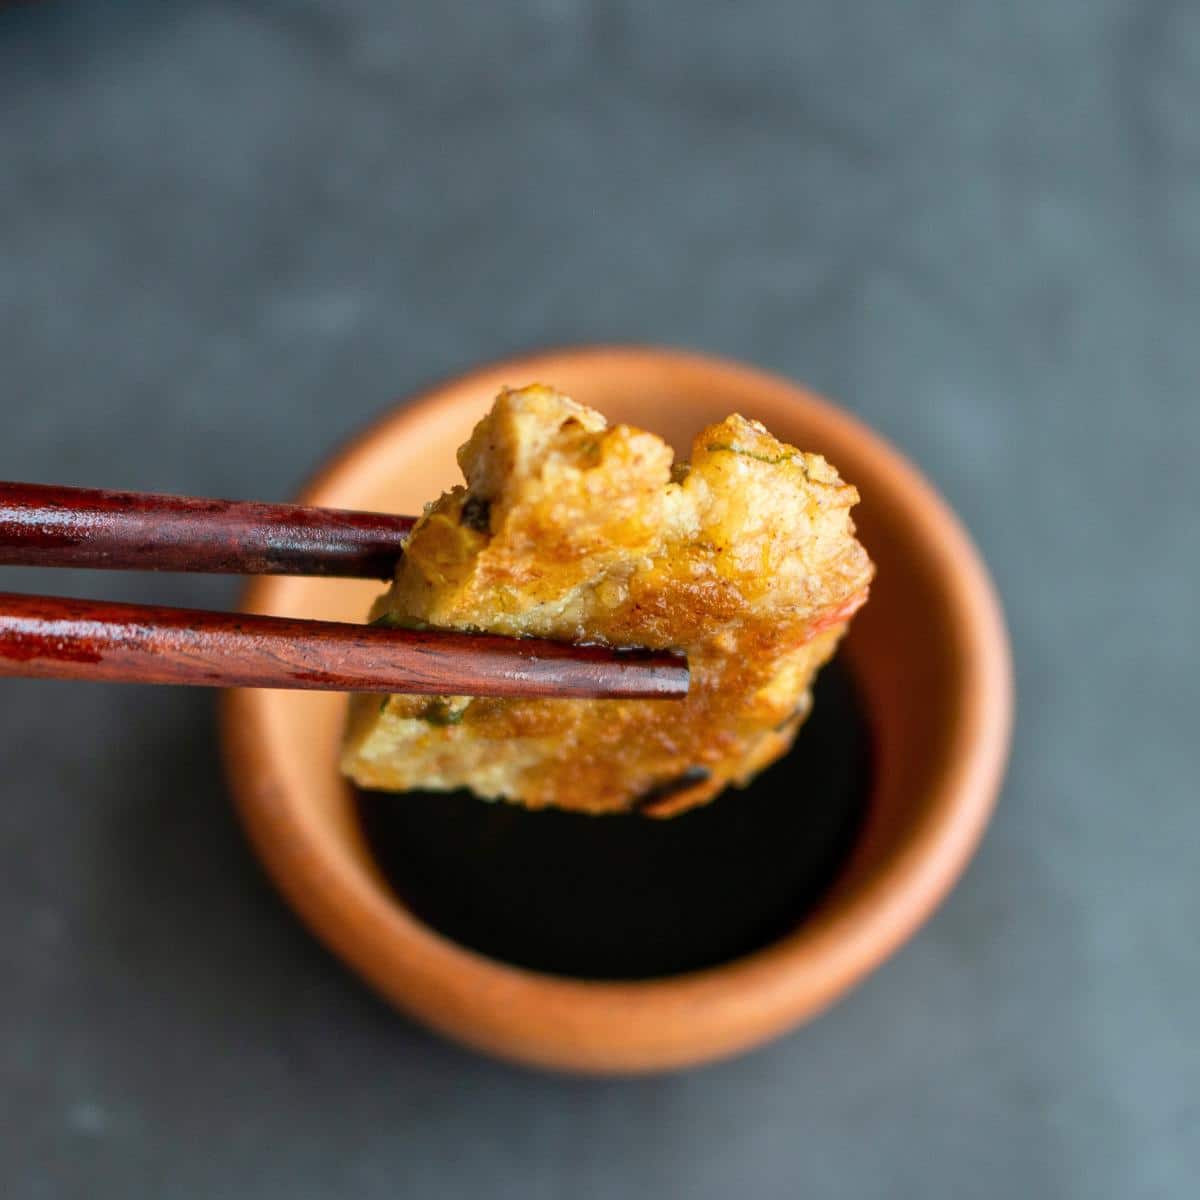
<point x="929" y="652"/>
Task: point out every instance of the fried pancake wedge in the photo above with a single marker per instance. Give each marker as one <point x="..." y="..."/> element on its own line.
<point x="568" y="528"/>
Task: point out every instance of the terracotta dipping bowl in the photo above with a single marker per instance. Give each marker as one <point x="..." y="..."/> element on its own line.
<point x="929" y="655"/>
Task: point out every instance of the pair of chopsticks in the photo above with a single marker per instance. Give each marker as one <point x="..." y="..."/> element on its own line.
<point x="57" y="638"/>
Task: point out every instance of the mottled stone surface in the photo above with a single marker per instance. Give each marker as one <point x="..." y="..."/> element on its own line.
<point x="230" y="233"/>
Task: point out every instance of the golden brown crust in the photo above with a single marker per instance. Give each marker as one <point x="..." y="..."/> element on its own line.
<point x="745" y="558"/>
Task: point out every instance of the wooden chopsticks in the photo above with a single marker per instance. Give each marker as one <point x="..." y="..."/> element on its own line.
<point x="49" y="637"/>
<point x="46" y="526"/>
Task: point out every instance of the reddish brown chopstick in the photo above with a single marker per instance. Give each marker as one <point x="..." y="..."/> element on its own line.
<point x="49" y="638"/>
<point x="49" y="526"/>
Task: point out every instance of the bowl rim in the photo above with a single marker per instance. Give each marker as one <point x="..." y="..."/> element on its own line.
<point x="602" y="1026"/>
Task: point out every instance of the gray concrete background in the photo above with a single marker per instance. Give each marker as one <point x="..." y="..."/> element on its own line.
<point x="230" y="233"/>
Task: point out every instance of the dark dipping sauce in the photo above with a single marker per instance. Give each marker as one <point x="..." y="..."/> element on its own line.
<point x="630" y="897"/>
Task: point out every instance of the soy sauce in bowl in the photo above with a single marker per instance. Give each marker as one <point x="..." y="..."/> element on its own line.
<point x="628" y="897"/>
